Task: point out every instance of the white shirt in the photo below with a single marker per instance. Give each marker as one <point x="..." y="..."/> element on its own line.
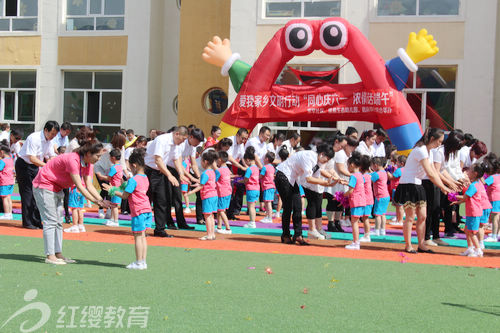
<point x="339" y="158"/>
<point x="128" y="152"/>
<point x="452" y="165"/>
<point x="5" y="135"/>
<point x="270" y="147"/>
<point x="432" y="153"/>
<point x="313" y="187"/>
<point x="37" y="145"/>
<point x="59" y="141"/>
<point x="183" y="151"/>
<point x="260" y="147"/>
<point x="163" y="146"/>
<point x="414" y="172"/>
<point x="288" y="146"/>
<point x="73" y="144"/>
<point x="378" y="149"/>
<point x="236" y="150"/>
<point x="363" y="149"/>
<point x="464" y="155"/>
<point x="299" y="164"/>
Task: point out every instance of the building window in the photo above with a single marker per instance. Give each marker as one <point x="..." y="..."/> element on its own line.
<point x="214" y="101"/>
<point x="431" y="94"/>
<point x="417" y="7"/>
<point x="18" y="98"/>
<point x="18" y="15"/>
<point x="93" y="98"/>
<point x="288" y="77"/>
<point x="301" y="8"/>
<point x="95" y="15"/>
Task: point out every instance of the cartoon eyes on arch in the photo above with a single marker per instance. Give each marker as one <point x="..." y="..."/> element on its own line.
<point x="298" y="37"/>
<point x="333" y="35"/>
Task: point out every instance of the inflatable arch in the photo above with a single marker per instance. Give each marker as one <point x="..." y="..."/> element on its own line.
<point x="377" y="98"/>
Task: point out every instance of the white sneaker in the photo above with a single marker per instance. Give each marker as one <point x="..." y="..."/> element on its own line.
<point x="352" y="246"/>
<point x="382" y="232"/>
<point x="227" y="232"/>
<point x="72" y="229"/>
<point x="430" y="242"/>
<point x="315" y="235"/>
<point x="82" y="228"/>
<point x="323" y="232"/>
<point x="136" y="265"/>
<point x="396" y="223"/>
<point x="345" y="223"/>
<point x="491" y="239"/>
<point x="365" y="239"/>
<point x="479" y="253"/>
<point x="111" y="223"/>
<point x="101" y="213"/>
<point x="219" y="231"/>
<point x="6" y="217"/>
<point x="375" y="232"/>
<point x="394" y="219"/>
<point x="467" y="252"/>
<point x="266" y="220"/>
<point x="187" y="210"/>
<point x="250" y="225"/>
<point x="473" y="253"/>
<point x="481" y="245"/>
<point x="276" y="215"/>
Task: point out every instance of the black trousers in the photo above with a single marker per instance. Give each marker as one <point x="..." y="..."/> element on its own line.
<point x="157" y="193"/>
<point x="199" y="208"/>
<point x="66" y="202"/>
<point x="25" y="173"/>
<point x="314" y="201"/>
<point x="432" y="193"/>
<point x="236" y="198"/>
<point x="174" y="198"/>
<point x="292" y="205"/>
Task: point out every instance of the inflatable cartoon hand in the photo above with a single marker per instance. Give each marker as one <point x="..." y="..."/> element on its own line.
<point x="217" y="51"/>
<point x="421" y="46"/>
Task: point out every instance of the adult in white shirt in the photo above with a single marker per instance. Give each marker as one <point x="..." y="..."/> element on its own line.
<point x="469" y="155"/>
<point x="338" y="165"/>
<point x="186" y="150"/>
<point x="235" y="158"/>
<point x="159" y="153"/>
<point x="292" y="143"/>
<point x="260" y="145"/>
<point x="366" y="142"/>
<point x="300" y="165"/>
<point x="410" y="192"/>
<point x="37" y="147"/>
<point x="276" y="142"/>
<point x="378" y="145"/>
<point x="5" y="129"/>
<point x="447" y="162"/>
<point x="61" y="138"/>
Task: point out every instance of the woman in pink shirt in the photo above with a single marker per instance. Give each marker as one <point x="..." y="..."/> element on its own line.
<point x="60" y="173"/>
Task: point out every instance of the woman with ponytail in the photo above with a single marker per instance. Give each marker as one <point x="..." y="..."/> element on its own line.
<point x="410" y="192"/>
<point x="62" y="172"/>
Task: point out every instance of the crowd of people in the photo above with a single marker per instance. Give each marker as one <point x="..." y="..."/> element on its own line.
<point x="151" y="176"/>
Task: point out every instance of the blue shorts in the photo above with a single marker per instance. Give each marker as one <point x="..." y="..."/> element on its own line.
<point x="367" y="211"/>
<point x="209" y="205"/>
<point x="357" y="211"/>
<point x="6" y="190"/>
<point x="117" y="200"/>
<point x="472" y="222"/>
<point x="75" y="199"/>
<point x="381" y="205"/>
<point x="486" y="216"/>
<point x="253" y="195"/>
<point x="496" y="206"/>
<point x="184" y="187"/>
<point x="269" y="194"/>
<point x="223" y="203"/>
<point x="301" y="191"/>
<point x="141" y="222"/>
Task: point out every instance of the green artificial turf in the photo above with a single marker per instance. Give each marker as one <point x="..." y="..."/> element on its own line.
<point x="193" y="290"/>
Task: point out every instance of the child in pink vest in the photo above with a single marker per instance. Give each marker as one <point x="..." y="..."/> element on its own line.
<point x="356" y="194"/>
<point x="394" y="182"/>
<point x="115" y="178"/>
<point x="267" y="181"/>
<point x="473" y="210"/>
<point x="6" y="181"/>
<point x="224" y="191"/>
<point x="365" y="170"/>
<point x="382" y="197"/>
<point x="252" y="185"/>
<point x="493" y="183"/>
<point x="208" y="188"/>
